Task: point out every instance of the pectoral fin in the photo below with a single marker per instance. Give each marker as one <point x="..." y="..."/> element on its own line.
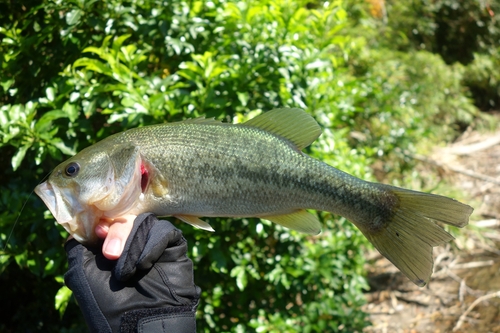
<point x="300" y="220"/>
<point x="195" y="222"/>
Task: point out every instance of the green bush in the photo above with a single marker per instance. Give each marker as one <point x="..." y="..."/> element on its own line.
<point x="454" y="29"/>
<point x="74" y="72"/>
<point x="483" y="79"/>
<point x="466" y="32"/>
<point x="404" y="100"/>
<point x="121" y="66"/>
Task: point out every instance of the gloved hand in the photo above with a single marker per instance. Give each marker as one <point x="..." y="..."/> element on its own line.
<point x="149" y="288"/>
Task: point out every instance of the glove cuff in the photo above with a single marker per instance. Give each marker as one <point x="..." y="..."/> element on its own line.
<point x="180" y="319"/>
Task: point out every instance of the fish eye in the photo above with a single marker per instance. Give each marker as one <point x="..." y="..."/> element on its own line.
<point x="72" y="169"/>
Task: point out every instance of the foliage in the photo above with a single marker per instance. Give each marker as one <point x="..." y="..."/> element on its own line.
<point x="483" y="79"/>
<point x="74" y="72"/>
<point x="404" y="99"/>
<point x="459" y="31"/>
<point x="453" y="29"/>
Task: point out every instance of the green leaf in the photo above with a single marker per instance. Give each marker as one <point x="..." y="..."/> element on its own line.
<point x="241" y="277"/>
<point x="63" y="148"/>
<point x="8" y="41"/>
<point x="4" y="261"/>
<point x="19" y="156"/>
<point x="50" y="92"/>
<point x="71" y="111"/>
<point x="93" y="65"/>
<point x="61" y="299"/>
<point x="36" y="26"/>
<point x="45" y="121"/>
<point x="89" y="109"/>
<point x="73" y="17"/>
<point x="118" y="42"/>
<point x="243" y="97"/>
<point x="6" y="84"/>
<point x="16" y="112"/>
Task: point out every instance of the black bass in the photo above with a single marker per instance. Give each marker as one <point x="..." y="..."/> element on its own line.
<point x="203" y="167"/>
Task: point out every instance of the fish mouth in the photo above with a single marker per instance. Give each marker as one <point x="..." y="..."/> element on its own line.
<point x="67" y="211"/>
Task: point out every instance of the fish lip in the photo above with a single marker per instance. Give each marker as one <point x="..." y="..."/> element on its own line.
<point x="48" y="194"/>
<point x="66" y="213"/>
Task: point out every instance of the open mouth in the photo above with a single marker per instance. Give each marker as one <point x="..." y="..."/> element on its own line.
<point x="62" y="211"/>
<point x="48" y="195"/>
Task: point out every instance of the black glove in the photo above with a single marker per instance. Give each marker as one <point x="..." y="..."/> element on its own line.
<point x="149" y="288"/>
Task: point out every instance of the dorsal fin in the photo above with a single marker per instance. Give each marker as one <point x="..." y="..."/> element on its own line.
<point x="292" y="124"/>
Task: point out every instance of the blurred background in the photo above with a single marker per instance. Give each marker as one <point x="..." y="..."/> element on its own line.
<point x="407" y="92"/>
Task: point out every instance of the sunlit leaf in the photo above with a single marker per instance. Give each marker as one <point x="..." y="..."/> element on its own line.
<point x="61" y="299"/>
<point x="63" y="147"/>
<point x="93" y="65"/>
<point x="73" y="16"/>
<point x="6" y="83"/>
<point x="19" y="156"/>
<point x="241" y="276"/>
<point x="50" y="91"/>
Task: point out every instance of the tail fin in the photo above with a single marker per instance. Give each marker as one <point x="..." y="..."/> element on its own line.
<point x="408" y="237"/>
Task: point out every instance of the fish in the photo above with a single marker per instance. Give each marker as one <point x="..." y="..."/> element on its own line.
<point x="206" y="168"/>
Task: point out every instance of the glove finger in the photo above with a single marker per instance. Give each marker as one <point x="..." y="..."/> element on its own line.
<point x="161" y="236"/>
<point x="126" y="264"/>
<point x="166" y="250"/>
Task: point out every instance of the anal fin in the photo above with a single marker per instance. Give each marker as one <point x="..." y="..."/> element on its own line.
<point x="195" y="222"/>
<point x="299" y="220"/>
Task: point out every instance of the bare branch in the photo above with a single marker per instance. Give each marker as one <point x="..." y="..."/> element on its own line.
<point x="472" y="306"/>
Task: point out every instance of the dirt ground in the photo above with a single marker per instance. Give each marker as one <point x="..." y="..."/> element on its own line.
<point x="464" y="292"/>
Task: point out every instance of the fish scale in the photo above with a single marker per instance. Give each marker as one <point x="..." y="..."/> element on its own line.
<point x="220" y="158"/>
<point x="203" y="167"/>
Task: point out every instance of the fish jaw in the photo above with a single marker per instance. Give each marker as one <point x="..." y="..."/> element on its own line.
<point x="79" y="204"/>
<point x="69" y="212"/>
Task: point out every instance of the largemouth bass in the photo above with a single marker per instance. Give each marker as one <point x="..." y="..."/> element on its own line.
<point x="203" y="167"/>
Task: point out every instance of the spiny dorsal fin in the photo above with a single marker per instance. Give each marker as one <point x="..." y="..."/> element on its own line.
<point x="292" y="124"/>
